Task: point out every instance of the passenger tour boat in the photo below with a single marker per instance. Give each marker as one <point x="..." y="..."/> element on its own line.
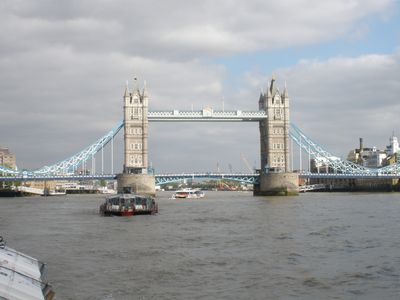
<point x="188" y="193"/>
<point x="128" y="205"/>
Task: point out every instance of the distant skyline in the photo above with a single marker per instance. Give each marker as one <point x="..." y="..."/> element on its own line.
<point x="64" y="65"/>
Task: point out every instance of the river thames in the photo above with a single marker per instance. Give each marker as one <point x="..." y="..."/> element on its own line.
<point x="229" y="245"/>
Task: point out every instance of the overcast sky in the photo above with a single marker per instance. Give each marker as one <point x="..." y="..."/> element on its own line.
<point x="64" y="64"/>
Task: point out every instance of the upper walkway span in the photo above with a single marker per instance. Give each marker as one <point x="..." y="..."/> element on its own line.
<point x="206" y="115"/>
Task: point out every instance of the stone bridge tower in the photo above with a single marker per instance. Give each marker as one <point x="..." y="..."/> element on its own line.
<point x="274" y="132"/>
<point x="136" y="105"/>
<point x="275" y="174"/>
<point x="135" y="177"/>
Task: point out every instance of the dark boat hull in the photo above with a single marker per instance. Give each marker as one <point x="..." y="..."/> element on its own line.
<point x="127" y="213"/>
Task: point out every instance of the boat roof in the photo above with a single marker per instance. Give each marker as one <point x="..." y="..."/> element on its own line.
<point x="188" y="190"/>
<point x="128" y="196"/>
<point x="20" y="276"/>
<point x="22" y="263"/>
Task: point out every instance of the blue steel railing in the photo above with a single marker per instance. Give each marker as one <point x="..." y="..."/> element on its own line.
<point x="159" y="179"/>
<point x="169" y="178"/>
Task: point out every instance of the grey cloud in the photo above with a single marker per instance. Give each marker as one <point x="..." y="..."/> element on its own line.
<point x="158" y="28"/>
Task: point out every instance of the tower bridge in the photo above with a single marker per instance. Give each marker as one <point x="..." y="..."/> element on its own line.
<point x="274" y="176"/>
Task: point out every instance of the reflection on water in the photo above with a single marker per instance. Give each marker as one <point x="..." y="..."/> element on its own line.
<point x="226" y="246"/>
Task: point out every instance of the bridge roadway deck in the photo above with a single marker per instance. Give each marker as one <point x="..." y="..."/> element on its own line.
<point x="160" y="179"/>
<point x="165" y="178"/>
<point x="58" y="177"/>
<point x="376" y="176"/>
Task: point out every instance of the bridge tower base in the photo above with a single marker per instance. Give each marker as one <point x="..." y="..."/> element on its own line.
<point x="141" y="184"/>
<point x="277" y="184"/>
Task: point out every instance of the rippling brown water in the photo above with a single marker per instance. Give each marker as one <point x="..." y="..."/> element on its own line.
<point x="226" y="246"/>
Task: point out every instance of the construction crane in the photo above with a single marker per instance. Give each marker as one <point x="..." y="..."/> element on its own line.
<point x="247" y="163"/>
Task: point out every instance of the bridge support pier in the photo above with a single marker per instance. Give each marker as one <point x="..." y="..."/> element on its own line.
<point x="277" y="184"/>
<point x="141" y="184"/>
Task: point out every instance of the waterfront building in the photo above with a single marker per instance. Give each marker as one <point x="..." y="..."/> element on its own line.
<point x="392" y="159"/>
<point x="393" y="146"/>
<point x="367" y="157"/>
<point x="372" y="157"/>
<point x="392" y="152"/>
<point x="50" y="185"/>
<point x="7" y="159"/>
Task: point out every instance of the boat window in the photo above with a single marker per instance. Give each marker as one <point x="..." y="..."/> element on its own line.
<point x="140" y="201"/>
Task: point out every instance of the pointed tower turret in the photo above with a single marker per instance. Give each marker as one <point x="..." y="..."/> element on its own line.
<point x="126" y="93"/>
<point x="269" y="94"/>
<point x="272" y="87"/>
<point x="285" y="96"/>
<point x="261" y="101"/>
<point x="285" y="93"/>
<point x="127" y="97"/>
<point x="145" y="94"/>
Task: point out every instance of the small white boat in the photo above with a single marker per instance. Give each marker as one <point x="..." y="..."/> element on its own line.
<point x="188" y="193"/>
<point x="47" y="192"/>
<point x="57" y="193"/>
<point x="105" y="190"/>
